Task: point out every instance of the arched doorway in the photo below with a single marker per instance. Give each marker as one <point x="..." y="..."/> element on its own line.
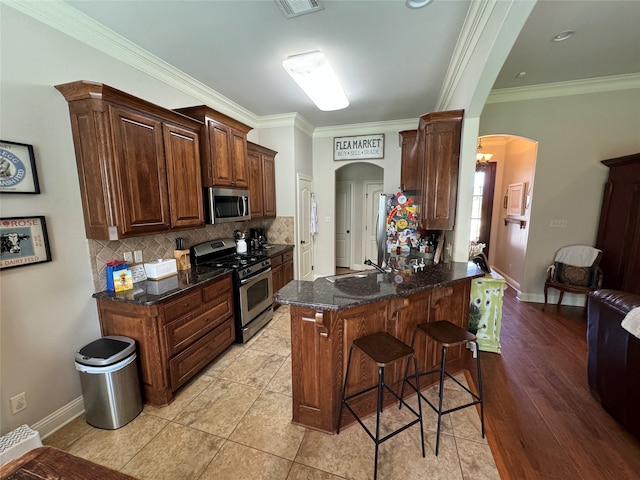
<point x="512" y="163"/>
<point x="355" y="212"/>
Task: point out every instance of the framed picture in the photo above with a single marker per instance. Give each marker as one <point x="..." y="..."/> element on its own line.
<point x="24" y="242"/>
<point x="516" y="193"/>
<point x="17" y="168"/>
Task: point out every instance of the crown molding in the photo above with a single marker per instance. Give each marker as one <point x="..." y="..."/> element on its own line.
<point x="286" y="120"/>
<point x="562" y="89"/>
<point x="66" y="19"/>
<point x="366" y="128"/>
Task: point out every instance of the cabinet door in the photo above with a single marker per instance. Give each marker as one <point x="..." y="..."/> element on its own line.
<point x="255" y="185"/>
<point x="141" y="176"/>
<point x="410" y="167"/>
<point x="183" y="177"/>
<point x="220" y="164"/>
<point x="239" y="159"/>
<point x="440" y="143"/>
<point x="277" y="278"/>
<point x="269" y="185"/>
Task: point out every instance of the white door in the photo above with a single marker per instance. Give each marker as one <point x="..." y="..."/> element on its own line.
<point x="344" y="192"/>
<point x="305" y="241"/>
<point x="372" y="193"/>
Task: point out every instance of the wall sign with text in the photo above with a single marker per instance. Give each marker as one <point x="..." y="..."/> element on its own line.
<point x="359" y="147"/>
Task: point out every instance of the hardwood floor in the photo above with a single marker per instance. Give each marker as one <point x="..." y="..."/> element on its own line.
<point x="541" y="419"/>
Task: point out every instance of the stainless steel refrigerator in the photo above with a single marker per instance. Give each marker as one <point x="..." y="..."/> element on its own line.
<point x="397" y="226"/>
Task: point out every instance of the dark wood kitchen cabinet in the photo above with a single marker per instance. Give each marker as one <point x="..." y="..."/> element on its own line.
<point x="262" y="180"/>
<point x="282" y="269"/>
<point x="410" y="167"/>
<point x="438" y="149"/>
<point x="224" y="148"/>
<point x="138" y="163"/>
<point x="176" y="338"/>
<point x="619" y="229"/>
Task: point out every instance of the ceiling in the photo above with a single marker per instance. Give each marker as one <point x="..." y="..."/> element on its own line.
<point x="391" y="60"/>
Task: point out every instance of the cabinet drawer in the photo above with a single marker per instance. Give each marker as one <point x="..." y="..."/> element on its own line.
<point x="287" y="256"/>
<point x="188" y="329"/>
<point x="217" y="289"/>
<point x="182" y="306"/>
<point x="187" y="363"/>
<point x="276" y="261"/>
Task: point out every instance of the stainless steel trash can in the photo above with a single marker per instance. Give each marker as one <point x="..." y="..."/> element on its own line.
<point x="109" y="378"/>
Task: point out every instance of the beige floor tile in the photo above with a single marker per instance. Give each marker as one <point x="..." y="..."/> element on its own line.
<point x="177" y="452"/>
<point x="302" y="472"/>
<point x="273" y="341"/>
<point x="238" y="462"/>
<point x="281" y="382"/>
<point x="69" y="434"/>
<point x="476" y="460"/>
<point x="219" y="408"/>
<point x="114" y="448"/>
<point x="281" y="320"/>
<point x="267" y="426"/>
<point x="221" y="363"/>
<point x="182" y="398"/>
<point x="254" y="368"/>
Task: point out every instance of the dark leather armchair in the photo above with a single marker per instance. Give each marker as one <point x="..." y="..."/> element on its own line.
<point x="575" y="269"/>
<point x="613" y="360"/>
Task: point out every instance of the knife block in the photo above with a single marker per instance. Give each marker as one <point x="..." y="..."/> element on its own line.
<point x="182" y="259"/>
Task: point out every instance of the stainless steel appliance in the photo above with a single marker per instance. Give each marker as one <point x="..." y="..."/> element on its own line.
<point x="226" y="205"/>
<point x="252" y="282"/>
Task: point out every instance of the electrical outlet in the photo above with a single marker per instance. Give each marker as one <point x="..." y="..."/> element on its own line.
<point x="128" y="257"/>
<point x="327" y="219"/>
<point x="18" y="403"/>
<point x="137" y="256"/>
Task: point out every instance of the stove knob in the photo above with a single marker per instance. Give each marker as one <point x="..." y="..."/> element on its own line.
<point x="248" y="270"/>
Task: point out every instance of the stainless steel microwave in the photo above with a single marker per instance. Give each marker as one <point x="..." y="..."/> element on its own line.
<point x="226" y="205"/>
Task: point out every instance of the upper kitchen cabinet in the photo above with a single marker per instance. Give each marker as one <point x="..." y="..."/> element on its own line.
<point x="138" y="163"/>
<point x="262" y="180"/>
<point x="410" y="167"/>
<point x="438" y="149"/>
<point x="224" y="148"/>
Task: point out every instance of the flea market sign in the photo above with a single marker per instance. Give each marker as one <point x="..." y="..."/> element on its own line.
<point x="358" y="148"/>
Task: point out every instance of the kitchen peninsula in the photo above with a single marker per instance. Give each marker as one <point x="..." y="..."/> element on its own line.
<point x="329" y="313"/>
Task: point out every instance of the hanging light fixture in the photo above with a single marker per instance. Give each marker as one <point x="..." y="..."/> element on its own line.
<point x="480" y="155"/>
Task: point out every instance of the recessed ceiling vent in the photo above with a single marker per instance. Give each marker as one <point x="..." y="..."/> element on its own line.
<point x="295" y="8"/>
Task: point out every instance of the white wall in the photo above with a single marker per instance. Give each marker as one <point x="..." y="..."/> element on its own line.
<point x="574" y="133"/>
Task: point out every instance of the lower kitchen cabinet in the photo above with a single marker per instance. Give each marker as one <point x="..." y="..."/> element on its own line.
<point x="282" y="269"/>
<point x="176" y="338"/>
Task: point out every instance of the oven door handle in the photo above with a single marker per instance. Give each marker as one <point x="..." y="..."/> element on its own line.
<point x="256" y="277"/>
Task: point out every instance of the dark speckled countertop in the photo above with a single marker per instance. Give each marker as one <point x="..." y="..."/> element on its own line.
<point x="351" y="290"/>
<point x="273" y="250"/>
<point x="149" y="292"/>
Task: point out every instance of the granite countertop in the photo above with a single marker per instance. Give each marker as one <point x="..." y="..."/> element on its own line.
<point x="273" y="250"/>
<point x="353" y="289"/>
<point x="149" y="292"/>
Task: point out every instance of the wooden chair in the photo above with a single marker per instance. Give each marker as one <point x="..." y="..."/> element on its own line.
<point x="575" y="269"/>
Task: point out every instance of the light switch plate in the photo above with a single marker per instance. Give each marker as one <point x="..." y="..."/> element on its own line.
<point x="128" y="257"/>
<point x="137" y="256"/>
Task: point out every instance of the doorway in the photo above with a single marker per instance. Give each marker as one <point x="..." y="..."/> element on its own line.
<point x="344" y="204"/>
<point x="305" y="239"/>
<point x="482" y="204"/>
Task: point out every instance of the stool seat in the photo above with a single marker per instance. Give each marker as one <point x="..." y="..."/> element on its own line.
<point x="383" y="348"/>
<point x="446" y="333"/>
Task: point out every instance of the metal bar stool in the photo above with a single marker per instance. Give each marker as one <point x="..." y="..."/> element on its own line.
<point x="447" y="335"/>
<point x="383" y="349"/>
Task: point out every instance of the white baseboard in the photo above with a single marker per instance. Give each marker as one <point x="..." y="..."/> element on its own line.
<point x="59" y="418"/>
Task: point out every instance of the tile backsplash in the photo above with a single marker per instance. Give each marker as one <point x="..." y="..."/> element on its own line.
<point x="278" y="231"/>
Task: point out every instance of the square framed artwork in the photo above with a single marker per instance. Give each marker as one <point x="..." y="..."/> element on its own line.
<point x="24" y="241"/>
<point x="18" y="168"/>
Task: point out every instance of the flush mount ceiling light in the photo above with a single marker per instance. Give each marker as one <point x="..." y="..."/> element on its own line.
<point x="562" y="36"/>
<point x="295" y="8"/>
<point x="417" y="3"/>
<point x="314" y="75"/>
<point x="480" y="155"/>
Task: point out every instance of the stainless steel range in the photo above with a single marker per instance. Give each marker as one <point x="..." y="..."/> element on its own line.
<point x="252" y="281"/>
